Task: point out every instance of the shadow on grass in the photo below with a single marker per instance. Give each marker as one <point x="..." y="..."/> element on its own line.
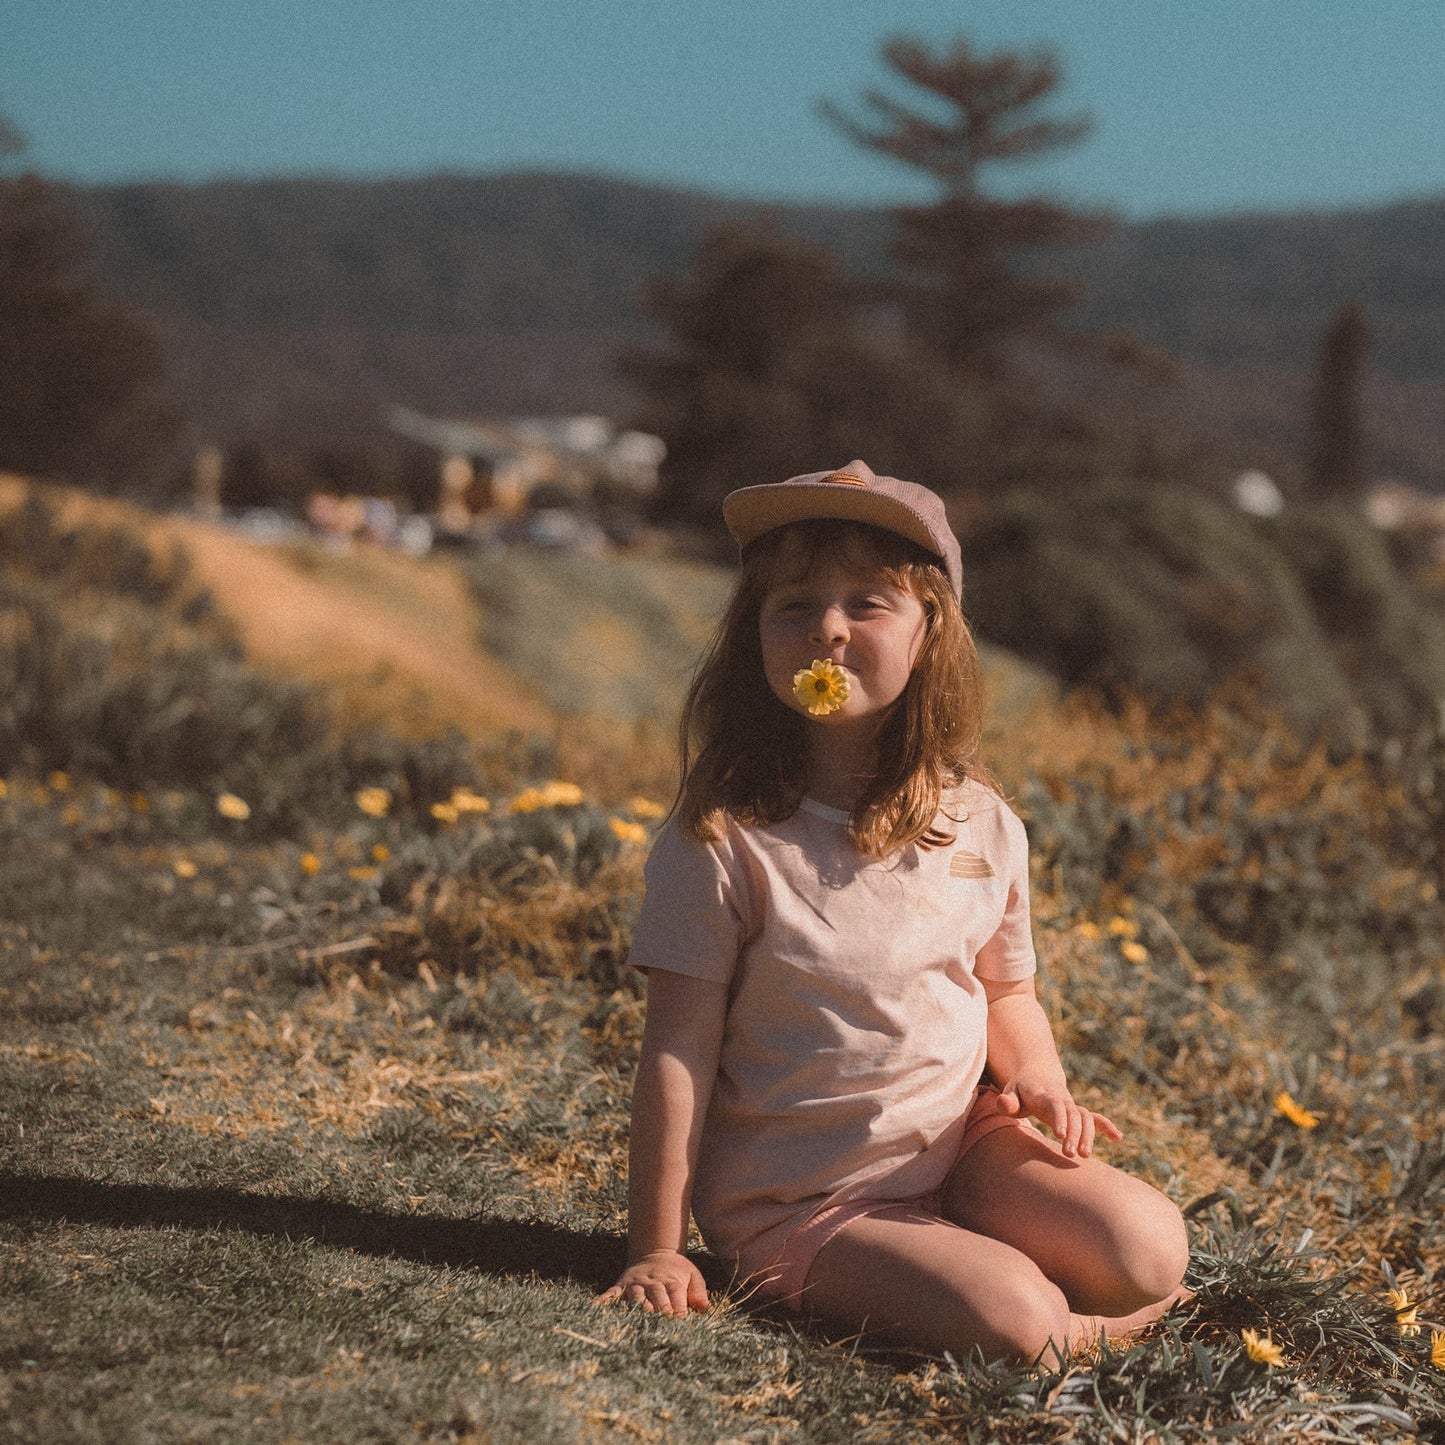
<point x="523" y="1248"/>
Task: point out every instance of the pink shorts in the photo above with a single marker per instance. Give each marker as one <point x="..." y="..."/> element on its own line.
<point x="784" y="1278"/>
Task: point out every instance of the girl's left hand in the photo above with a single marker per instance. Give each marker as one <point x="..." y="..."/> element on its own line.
<point x="1052" y="1104"/>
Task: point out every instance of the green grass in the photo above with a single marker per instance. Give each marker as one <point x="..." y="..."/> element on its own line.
<point x="607" y="636"/>
<point x="280" y="1190"/>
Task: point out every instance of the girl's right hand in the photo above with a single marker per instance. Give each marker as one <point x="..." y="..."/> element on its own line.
<point x="663" y="1282"/>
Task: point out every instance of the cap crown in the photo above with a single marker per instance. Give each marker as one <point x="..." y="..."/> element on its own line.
<point x="853" y="493"/>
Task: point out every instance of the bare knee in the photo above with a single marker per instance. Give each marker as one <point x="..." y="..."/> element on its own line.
<point x="1150" y="1256"/>
<point x="1026" y="1317"/>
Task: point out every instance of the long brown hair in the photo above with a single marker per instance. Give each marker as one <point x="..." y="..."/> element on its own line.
<point x="743" y="751"/>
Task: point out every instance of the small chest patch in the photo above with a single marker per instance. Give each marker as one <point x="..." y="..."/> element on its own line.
<point x="964" y="864"/>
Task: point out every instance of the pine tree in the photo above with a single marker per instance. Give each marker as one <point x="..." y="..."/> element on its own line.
<point x="1340" y="465"/>
<point x="79" y="376"/>
<point x="968" y="246"/>
<point x="776" y="365"/>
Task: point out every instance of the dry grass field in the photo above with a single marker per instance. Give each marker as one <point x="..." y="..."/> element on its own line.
<point x="316" y="1033"/>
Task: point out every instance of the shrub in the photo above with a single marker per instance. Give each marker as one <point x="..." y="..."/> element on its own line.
<point x="1163" y="593"/>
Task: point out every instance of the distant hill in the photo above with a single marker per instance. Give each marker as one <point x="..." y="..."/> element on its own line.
<point x="300" y="308"/>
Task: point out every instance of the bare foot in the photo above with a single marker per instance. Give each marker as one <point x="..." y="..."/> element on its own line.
<point x="1087" y="1332"/>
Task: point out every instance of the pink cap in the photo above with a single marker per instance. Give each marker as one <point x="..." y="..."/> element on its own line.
<point x="854" y="494"/>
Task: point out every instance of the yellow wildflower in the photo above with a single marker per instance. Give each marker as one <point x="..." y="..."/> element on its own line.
<point x="1088" y="929"/>
<point x="1261" y="1348"/>
<point x="374" y="802"/>
<point x="185" y="868"/>
<point x="1123" y="927"/>
<point x="310" y="864"/>
<point x="549" y="795"/>
<point x="444" y="812"/>
<point x="466" y="801"/>
<point x="1407" y="1315"/>
<point x="380" y="852"/>
<point x="643" y="808"/>
<point x="71" y="815"/>
<point x="1437" y="1349"/>
<point x="821" y="688"/>
<point x="1285" y="1104"/>
<point x="140" y="802"/>
<point x="59" y="781"/>
<point x="228" y="805"/>
<point x="363" y="875"/>
<point x="627" y="832"/>
<point x="1134" y="952"/>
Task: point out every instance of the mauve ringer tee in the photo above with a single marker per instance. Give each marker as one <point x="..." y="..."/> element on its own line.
<point x="855" y="1031"/>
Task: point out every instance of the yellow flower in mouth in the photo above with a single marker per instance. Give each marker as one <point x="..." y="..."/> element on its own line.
<point x="821" y="688"/>
<point x="228" y="805"/>
<point x="1437" y="1349"/>
<point x="1261" y="1348"/>
<point x="1285" y="1104"/>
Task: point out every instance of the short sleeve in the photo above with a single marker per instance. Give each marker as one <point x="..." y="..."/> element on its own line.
<point x="691" y="918"/>
<point x="1009" y="953"/>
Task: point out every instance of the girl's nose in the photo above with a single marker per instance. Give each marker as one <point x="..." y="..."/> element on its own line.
<point x="830" y="627"/>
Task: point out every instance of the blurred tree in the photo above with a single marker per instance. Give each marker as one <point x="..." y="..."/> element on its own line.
<point x="980" y="294"/>
<point x="781" y="363"/>
<point x="1340" y="466"/>
<point x="79" y="377"/>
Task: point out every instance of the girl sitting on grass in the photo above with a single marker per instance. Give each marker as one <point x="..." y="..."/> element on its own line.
<point x="843" y="1048"/>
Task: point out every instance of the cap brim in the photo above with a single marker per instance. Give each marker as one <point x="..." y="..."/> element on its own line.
<point x="752" y="511"/>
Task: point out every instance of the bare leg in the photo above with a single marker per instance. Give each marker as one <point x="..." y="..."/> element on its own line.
<point x="1114" y="1245"/>
<point x="923" y="1282"/>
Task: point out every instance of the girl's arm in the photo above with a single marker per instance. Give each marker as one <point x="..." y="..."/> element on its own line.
<point x="1024" y="1061"/>
<point x="680" y="1047"/>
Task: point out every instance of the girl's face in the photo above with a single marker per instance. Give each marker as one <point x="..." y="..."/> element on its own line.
<point x="846" y="611"/>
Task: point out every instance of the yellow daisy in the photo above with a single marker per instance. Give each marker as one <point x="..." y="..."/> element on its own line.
<point x="1123" y="927"/>
<point x="821" y="688"/>
<point x="380" y="852"/>
<point x="1285" y="1104"/>
<point x="1134" y="952"/>
<point x="445" y="812"/>
<point x="466" y="801"/>
<point x="1407" y="1315"/>
<point x="1437" y="1349"/>
<point x="1261" y="1349"/>
<point x="228" y="805"/>
<point x="184" y="868"/>
<point x="1088" y="929"/>
<point x="310" y="864"/>
<point x="374" y="802"/>
<point x="640" y="808"/>
<point x="549" y="795"/>
<point x="627" y="832"/>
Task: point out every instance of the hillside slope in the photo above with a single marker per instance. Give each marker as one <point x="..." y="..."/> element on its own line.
<point x="391" y="637"/>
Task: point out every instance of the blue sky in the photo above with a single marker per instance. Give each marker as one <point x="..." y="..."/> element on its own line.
<point x="1199" y="106"/>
